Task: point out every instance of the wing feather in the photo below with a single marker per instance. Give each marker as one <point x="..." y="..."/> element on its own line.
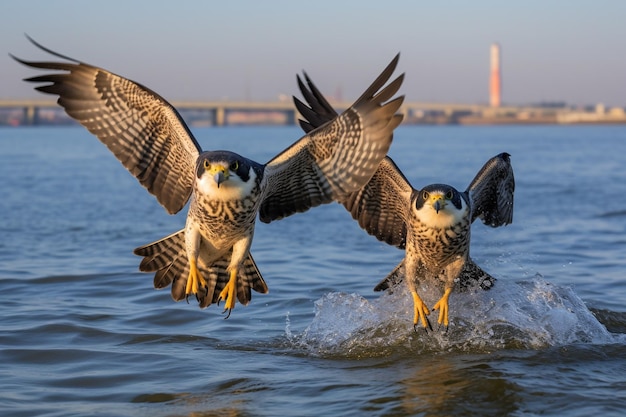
<point x="144" y="131"/>
<point x="320" y="110"/>
<point x="491" y="192"/>
<point x="381" y="206"/>
<point x="336" y="158"/>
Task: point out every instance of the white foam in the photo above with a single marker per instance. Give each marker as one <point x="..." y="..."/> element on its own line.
<point x="526" y="314"/>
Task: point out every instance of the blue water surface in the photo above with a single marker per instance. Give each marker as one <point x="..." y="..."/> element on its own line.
<point x="84" y="333"/>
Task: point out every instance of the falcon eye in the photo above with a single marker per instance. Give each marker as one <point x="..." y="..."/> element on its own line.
<point x="449" y="195"/>
<point x="425" y="195"/>
<point x="206" y="164"/>
<point x="234" y="166"/>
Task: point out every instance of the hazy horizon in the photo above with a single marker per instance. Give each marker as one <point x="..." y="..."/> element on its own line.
<point x="242" y="50"/>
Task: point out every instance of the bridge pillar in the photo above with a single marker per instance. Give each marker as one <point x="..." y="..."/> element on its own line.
<point x="220" y="116"/>
<point x="291" y="117"/>
<point x="30" y="115"/>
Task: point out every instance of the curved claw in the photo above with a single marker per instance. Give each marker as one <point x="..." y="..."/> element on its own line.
<point x="229" y="310"/>
<point x="416" y="325"/>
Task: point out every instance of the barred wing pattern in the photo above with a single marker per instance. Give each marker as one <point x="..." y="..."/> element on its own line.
<point x="144" y="132"/>
<point x="381" y="205"/>
<point x="337" y="158"/>
<point x="491" y="192"/>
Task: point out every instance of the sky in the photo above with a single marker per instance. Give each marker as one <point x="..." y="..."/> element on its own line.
<point x="552" y="51"/>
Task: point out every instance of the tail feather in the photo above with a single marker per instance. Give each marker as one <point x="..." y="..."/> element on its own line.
<point x="471" y="276"/>
<point x="217" y="276"/>
<point x="394" y="278"/>
<point x="168" y="258"/>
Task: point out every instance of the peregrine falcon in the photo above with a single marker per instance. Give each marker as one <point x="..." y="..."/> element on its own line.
<point x="210" y="257"/>
<point x="432" y="224"/>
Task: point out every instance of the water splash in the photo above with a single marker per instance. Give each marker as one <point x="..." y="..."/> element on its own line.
<point x="525" y="314"/>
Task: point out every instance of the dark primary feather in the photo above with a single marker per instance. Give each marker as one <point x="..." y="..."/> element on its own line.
<point x="320" y="111"/>
<point x="144" y="131"/>
<point x="380" y="207"/>
<point x="492" y="190"/>
<point x="336" y="158"/>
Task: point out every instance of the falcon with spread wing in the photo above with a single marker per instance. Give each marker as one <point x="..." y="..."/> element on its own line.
<point x="432" y="225"/>
<point x="211" y="257"/>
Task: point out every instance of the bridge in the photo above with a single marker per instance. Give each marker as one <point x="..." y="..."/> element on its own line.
<point x="216" y="113"/>
<point x="222" y="113"/>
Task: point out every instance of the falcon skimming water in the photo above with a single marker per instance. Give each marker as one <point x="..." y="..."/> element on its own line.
<point x="432" y="224"/>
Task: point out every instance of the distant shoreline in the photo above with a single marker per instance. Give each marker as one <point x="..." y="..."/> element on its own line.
<point x="206" y="114"/>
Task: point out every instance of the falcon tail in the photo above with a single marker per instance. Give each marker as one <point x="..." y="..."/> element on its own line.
<point x="471" y="276"/>
<point x="168" y="258"/>
<point x="394" y="278"/>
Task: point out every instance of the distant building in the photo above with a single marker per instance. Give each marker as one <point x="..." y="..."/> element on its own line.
<point x="495" y="77"/>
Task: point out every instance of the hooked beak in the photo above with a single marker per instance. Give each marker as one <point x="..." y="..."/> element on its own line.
<point x="219" y="173"/>
<point x="438" y="202"/>
<point x="219" y="178"/>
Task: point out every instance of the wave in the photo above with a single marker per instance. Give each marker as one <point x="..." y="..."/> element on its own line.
<point x="611" y="214"/>
<point x="524" y="314"/>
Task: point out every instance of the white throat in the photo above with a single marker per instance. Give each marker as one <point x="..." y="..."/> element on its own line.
<point x="232" y="188"/>
<point x="445" y="218"/>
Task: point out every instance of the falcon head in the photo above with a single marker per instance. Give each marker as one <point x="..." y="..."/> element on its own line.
<point x="440" y="205"/>
<point x="225" y="175"/>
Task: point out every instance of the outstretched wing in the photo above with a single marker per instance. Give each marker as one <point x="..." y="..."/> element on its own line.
<point x="317" y="109"/>
<point x="144" y="131"/>
<point x="491" y="192"/>
<point x="381" y="206"/>
<point x="338" y="158"/>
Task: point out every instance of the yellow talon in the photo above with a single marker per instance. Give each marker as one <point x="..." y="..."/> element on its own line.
<point x="228" y="293"/>
<point x="195" y="281"/>
<point x="421" y="311"/>
<point x="442" y="305"/>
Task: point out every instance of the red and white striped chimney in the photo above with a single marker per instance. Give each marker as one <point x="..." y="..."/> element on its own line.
<point x="495" y="80"/>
